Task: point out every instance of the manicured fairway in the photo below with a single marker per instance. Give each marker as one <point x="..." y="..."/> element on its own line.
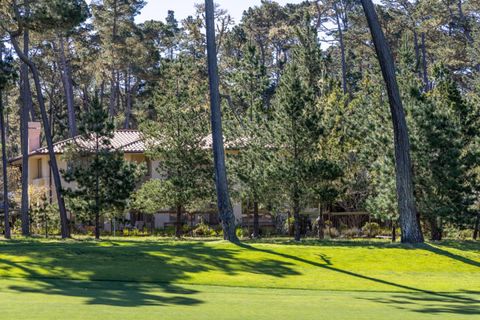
<point x="162" y="279"/>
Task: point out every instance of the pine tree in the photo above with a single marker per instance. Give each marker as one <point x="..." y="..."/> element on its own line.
<point x="251" y="133"/>
<point x="104" y="179"/>
<point x="175" y="138"/>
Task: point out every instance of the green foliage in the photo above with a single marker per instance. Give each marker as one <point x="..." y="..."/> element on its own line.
<point x="103" y="179"/>
<point x="175" y="138"/>
<point x="371" y="229"/>
<point x="302" y="169"/>
<point x="8" y="73"/>
<point x="56" y="14"/>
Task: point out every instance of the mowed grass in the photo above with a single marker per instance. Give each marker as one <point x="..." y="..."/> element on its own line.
<point x="160" y="278"/>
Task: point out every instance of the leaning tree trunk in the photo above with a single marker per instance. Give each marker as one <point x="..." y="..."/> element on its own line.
<point x="4" y="166"/>
<point x="26" y="107"/>
<point x="409" y="223"/>
<point x="223" y="198"/>
<point x="53" y="160"/>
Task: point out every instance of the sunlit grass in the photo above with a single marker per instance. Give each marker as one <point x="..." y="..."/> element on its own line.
<point x="338" y="279"/>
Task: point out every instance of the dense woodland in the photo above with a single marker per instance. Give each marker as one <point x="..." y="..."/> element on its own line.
<point x="302" y="96"/>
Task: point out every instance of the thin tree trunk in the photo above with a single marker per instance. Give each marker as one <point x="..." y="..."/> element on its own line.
<point x="113" y="85"/>
<point x="424" y="64"/>
<point x="128" y="101"/>
<point x="97" y="191"/>
<point x="394" y="231"/>
<point x="223" y="198"/>
<point x="417" y="53"/>
<point x="178" y="223"/>
<point x="48" y="137"/>
<point x="256" y="227"/>
<point x="4" y="165"/>
<point x="26" y="107"/>
<point x="113" y="94"/>
<point x="321" y="223"/>
<point x="66" y="74"/>
<point x="296" y="217"/>
<point x="409" y="223"/>
<point x="477" y="227"/>
<point x="342" y="49"/>
<point x="435" y="228"/>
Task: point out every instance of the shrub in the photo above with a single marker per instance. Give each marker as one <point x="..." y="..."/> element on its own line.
<point x="332" y="232"/>
<point x="242" y="232"/>
<point x="372" y="229"/>
<point x="202" y="230"/>
<point x="352" y="233"/>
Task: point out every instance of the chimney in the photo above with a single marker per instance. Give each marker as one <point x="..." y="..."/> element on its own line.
<point x="34" y="131"/>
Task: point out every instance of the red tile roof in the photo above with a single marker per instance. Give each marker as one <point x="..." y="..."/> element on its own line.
<point x="126" y="140"/>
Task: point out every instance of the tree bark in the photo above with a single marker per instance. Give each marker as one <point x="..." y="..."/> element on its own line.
<point x="477" y="227"/>
<point x="97" y="191"/>
<point x="256" y="227"/>
<point x="296" y="216"/>
<point x="320" y="223"/>
<point x="424" y="64"/>
<point x="409" y="223"/>
<point x="178" y="223"/>
<point x="66" y="74"/>
<point x="128" y="100"/>
<point x="435" y="229"/>
<point x="417" y="53"/>
<point x="223" y="198"/>
<point x="342" y="49"/>
<point x="113" y="85"/>
<point x="26" y="107"/>
<point x="48" y="137"/>
<point x="394" y="231"/>
<point x="4" y="165"/>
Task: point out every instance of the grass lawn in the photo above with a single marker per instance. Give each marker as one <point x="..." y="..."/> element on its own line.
<point x="159" y="278"/>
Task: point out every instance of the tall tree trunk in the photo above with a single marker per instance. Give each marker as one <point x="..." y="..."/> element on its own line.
<point x="97" y="192"/>
<point x="417" y="53"/>
<point x="66" y="73"/>
<point x="409" y="223"/>
<point x="113" y="95"/>
<point x="342" y="48"/>
<point x="223" y="198"/>
<point x="113" y="84"/>
<point x="4" y="164"/>
<point x="256" y="227"/>
<point x="26" y="107"/>
<point x="128" y="101"/>
<point x="424" y="64"/>
<point x="178" y="222"/>
<point x="48" y="137"/>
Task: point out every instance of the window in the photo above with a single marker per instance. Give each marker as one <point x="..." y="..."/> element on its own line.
<point x="39" y="168"/>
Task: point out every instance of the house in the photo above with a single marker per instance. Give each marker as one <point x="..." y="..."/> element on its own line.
<point x="132" y="144"/>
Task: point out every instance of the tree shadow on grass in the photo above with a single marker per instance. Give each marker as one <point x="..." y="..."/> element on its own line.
<point x="449" y="302"/>
<point x="122" y="273"/>
<point x="432" y="303"/>
<point x="437" y="250"/>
